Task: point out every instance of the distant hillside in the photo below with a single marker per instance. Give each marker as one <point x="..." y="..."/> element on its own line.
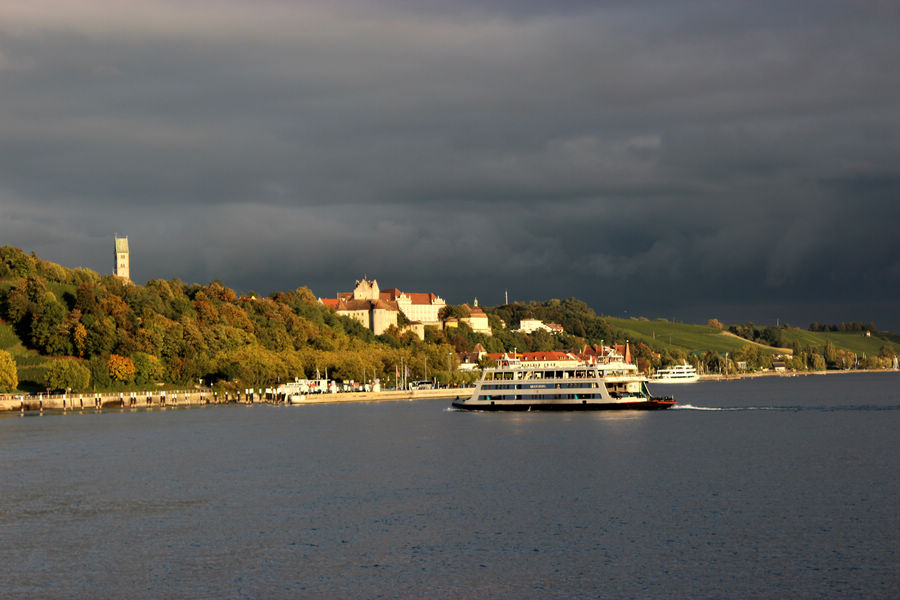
<point x="868" y="351"/>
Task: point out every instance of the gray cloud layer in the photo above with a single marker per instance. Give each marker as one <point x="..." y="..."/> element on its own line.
<point x="688" y="160"/>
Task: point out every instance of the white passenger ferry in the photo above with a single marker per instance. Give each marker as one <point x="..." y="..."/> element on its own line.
<point x="676" y="374"/>
<point x="605" y="386"/>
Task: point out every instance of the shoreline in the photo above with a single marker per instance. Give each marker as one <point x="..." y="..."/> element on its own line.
<point x="735" y="377"/>
<point x="10" y="403"/>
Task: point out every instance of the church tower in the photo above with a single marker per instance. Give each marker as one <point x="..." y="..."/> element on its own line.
<point x="121" y="266"/>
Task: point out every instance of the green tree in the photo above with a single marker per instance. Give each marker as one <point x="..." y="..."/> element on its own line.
<point x="49" y="330"/>
<point x="9" y="376"/>
<point x="817" y="362"/>
<point x="148" y="368"/>
<point x="831" y="355"/>
<point x="253" y="366"/>
<point x="67" y="374"/>
<point x="18" y="263"/>
<point x="457" y="311"/>
<point x="486" y="362"/>
<point x="101" y="336"/>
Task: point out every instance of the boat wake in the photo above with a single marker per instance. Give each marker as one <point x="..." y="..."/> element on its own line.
<point x="847" y="408"/>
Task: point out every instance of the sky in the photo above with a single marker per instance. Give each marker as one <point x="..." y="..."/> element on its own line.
<point x="681" y="160"/>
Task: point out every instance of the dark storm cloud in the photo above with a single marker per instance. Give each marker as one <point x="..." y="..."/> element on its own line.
<point x="667" y="159"/>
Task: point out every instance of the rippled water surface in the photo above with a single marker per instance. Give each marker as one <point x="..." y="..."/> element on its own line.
<point x="767" y="488"/>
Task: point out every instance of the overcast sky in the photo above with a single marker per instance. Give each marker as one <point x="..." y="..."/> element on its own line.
<point x="686" y="160"/>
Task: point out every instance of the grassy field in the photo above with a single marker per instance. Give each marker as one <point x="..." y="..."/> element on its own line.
<point x="856" y="342"/>
<point x="700" y="338"/>
<point x="692" y="338"/>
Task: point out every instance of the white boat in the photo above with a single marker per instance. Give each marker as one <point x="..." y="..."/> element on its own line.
<point x="606" y="386"/>
<point x="676" y="374"/>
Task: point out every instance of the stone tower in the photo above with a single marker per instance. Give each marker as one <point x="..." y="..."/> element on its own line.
<point x="366" y="290"/>
<point x="121" y="267"/>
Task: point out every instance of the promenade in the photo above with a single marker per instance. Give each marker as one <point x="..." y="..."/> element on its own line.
<point x="174" y="398"/>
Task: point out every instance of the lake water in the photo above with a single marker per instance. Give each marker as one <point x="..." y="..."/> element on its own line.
<point x="766" y="488"/>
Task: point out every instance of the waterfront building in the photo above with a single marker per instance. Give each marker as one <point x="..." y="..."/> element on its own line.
<point x="531" y="325"/>
<point x="605" y="354"/>
<point x="477" y="319"/>
<point x="378" y="309"/>
<point x="417" y="306"/>
<point x="364" y="305"/>
<point x="121" y="266"/>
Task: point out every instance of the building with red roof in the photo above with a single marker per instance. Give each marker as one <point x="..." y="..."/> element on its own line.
<point x="378" y="309"/>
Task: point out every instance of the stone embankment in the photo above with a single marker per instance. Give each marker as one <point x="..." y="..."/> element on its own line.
<point x="721" y="377"/>
<point x="156" y="399"/>
<point x="395" y="395"/>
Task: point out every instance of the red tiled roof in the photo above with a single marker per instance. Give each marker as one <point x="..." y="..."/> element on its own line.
<point x="354" y="305"/>
<point x="386" y="305"/>
<point x="390" y="294"/>
<point x="362" y="304"/>
<point x="533" y="356"/>
<point x="421" y="297"/>
<point x="330" y="302"/>
<point x="474" y="311"/>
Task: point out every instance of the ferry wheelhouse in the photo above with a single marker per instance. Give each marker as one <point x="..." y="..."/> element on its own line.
<point x="602" y="386"/>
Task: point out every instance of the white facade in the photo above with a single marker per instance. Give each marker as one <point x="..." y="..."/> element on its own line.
<point x="121" y="268"/>
<point x="421" y="307"/>
<point x="531" y="325"/>
<point x="478" y="321"/>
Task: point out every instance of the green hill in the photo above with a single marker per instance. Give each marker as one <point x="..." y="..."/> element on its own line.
<point x="850" y="347"/>
<point x="679" y="336"/>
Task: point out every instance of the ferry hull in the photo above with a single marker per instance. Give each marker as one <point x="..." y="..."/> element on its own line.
<point x="567" y="406"/>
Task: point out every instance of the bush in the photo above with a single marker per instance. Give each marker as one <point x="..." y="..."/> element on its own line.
<point x="68" y="375"/>
<point x="9" y="377"/>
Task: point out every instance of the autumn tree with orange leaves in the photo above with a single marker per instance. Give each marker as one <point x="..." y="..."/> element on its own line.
<point x="121" y="368"/>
